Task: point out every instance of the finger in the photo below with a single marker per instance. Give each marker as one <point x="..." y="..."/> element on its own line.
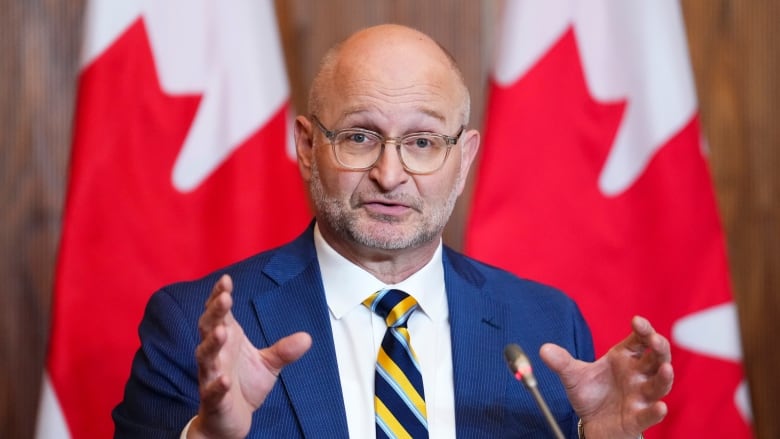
<point x="661" y="347"/>
<point x="652" y="415"/>
<point x="217" y="307"/>
<point x="212" y="326"/>
<point x="660" y="384"/>
<point x="213" y="392"/>
<point x="657" y="355"/>
<point x="207" y="353"/>
<point x="653" y="349"/>
<point x="644" y="337"/>
<point x="285" y="351"/>
<point x="223" y="285"/>
<point x="641" y="331"/>
<point x="642" y="326"/>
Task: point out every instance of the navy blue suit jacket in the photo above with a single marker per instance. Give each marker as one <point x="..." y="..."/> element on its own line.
<point x="280" y="291"/>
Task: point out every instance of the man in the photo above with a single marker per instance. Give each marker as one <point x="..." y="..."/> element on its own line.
<point x="287" y="345"/>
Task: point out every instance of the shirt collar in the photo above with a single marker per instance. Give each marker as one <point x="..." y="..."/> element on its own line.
<point x="347" y="285"/>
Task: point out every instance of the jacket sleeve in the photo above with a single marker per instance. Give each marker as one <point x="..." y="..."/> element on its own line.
<point x="161" y="395"/>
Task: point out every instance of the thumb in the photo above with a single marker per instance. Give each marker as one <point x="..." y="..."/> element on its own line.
<point x="286" y="350"/>
<point x="556" y="358"/>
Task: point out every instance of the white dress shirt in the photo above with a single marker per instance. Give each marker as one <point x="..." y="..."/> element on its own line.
<point x="358" y="333"/>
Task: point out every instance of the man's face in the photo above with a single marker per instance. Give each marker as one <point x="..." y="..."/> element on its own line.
<point x="387" y="207"/>
<point x="398" y="216"/>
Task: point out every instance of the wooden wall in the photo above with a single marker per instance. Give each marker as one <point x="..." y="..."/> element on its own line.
<point x="734" y="47"/>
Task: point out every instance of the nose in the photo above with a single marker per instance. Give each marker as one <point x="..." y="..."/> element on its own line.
<point x="388" y="172"/>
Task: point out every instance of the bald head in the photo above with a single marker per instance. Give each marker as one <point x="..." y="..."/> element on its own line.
<point x="394" y="56"/>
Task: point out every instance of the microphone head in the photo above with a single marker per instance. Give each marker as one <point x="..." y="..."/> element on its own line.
<point x="512" y="353"/>
<point x="519" y="364"/>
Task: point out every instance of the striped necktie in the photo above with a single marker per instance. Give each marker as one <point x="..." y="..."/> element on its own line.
<point x="399" y="399"/>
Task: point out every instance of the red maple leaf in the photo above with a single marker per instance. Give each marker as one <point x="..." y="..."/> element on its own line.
<point x="656" y="249"/>
<point x="128" y="231"/>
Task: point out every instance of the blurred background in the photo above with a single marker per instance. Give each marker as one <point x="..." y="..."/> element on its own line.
<point x="734" y="47"/>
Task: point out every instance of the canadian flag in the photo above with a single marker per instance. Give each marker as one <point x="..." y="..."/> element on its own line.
<point x="180" y="164"/>
<point x="593" y="179"/>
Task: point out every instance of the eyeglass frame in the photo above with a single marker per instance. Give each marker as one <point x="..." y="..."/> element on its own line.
<point x="398" y="141"/>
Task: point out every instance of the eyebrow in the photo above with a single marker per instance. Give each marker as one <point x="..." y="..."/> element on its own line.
<point x="359" y="110"/>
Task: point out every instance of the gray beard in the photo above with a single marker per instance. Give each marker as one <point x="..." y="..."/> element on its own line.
<point x="345" y="222"/>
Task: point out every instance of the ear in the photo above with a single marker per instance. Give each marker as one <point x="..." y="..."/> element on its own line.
<point x="304" y="141"/>
<point x="471" y="139"/>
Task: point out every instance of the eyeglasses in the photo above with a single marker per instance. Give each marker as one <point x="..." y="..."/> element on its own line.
<point x="359" y="149"/>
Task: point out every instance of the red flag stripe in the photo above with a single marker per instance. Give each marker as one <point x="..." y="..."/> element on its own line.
<point x="655" y="248"/>
<point x="128" y="230"/>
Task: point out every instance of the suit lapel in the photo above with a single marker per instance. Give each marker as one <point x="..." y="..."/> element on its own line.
<point x="312" y="383"/>
<point x="478" y="332"/>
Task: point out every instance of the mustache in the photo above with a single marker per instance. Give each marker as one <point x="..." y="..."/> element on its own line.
<point x="411" y="201"/>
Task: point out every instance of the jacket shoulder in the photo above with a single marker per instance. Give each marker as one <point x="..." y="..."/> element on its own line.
<point x="502" y="285"/>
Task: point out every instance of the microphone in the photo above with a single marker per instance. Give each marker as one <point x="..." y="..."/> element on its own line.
<point x="520" y="366"/>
